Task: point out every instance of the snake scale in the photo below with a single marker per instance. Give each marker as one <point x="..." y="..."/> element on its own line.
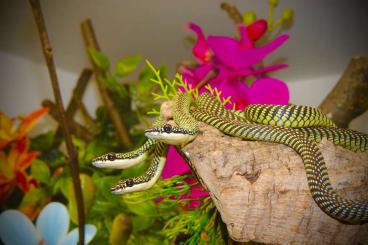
<point x="298" y="127"/>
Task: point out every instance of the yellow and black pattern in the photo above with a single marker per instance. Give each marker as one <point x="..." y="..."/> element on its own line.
<point x="347" y="138"/>
<point x="209" y="103"/>
<point x="318" y="180"/>
<point x="291" y="116"/>
<point x="181" y="113"/>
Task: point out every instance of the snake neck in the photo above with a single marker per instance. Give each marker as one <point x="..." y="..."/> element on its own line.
<point x="182" y="115"/>
<point x="149" y="178"/>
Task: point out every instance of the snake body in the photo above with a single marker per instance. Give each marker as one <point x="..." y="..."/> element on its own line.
<point x="321" y="127"/>
<point x="278" y="119"/>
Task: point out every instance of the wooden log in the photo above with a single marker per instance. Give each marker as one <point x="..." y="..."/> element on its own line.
<point x="262" y="194"/>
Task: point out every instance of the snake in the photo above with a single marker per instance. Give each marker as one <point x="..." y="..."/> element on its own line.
<point x="302" y="140"/>
<point x="290" y="116"/>
<point x="327" y="199"/>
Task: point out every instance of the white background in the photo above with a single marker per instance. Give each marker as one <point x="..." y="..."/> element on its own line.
<point x="325" y="36"/>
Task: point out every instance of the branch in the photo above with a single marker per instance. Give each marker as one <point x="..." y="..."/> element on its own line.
<point x="73" y="160"/>
<point x="348" y="99"/>
<point x="75" y="128"/>
<point x="78" y="92"/>
<point x="91" y="43"/>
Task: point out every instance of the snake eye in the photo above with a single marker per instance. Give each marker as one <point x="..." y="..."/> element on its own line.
<point x="167" y="128"/>
<point x="129" y="182"/>
<point x="111" y="156"/>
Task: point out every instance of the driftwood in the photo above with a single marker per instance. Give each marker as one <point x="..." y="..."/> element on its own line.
<point x="348" y="99"/>
<point x="262" y="194"/>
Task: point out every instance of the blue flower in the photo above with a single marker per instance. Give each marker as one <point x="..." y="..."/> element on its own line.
<point x="51" y="228"/>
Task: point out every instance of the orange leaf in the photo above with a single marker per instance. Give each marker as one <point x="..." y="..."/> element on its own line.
<point x="7" y="130"/>
<point x="23" y="181"/>
<point x="29" y="121"/>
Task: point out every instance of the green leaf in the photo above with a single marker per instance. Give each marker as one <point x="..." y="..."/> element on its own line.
<point x="127" y="65"/>
<point x="141" y="223"/>
<point x="135" y="170"/>
<point x="33" y="196"/>
<point x="99" y="59"/>
<point x="144" y="86"/>
<point x="147" y="208"/>
<point x="40" y="171"/>
<point x="112" y="84"/>
<point x="62" y="185"/>
<point x="42" y="142"/>
<point x="121" y="230"/>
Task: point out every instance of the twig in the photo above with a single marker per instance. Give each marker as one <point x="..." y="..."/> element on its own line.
<point x="73" y="160"/>
<point x="78" y="92"/>
<point x="86" y="116"/>
<point x="233" y="12"/>
<point x="91" y="43"/>
<point x="348" y="99"/>
<point x="75" y="128"/>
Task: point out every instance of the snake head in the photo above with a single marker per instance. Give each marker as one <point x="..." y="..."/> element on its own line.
<point x="125" y="186"/>
<point x="119" y="160"/>
<point x="170" y="134"/>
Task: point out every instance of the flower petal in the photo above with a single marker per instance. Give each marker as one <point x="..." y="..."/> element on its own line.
<point x="270" y="68"/>
<point x="225" y="49"/>
<point x="53" y="222"/>
<point x="257" y="29"/>
<point x="175" y="164"/>
<point x="237" y="90"/>
<point x="200" y="49"/>
<point x="73" y="236"/>
<point x="17" y="229"/>
<point x="233" y="55"/>
<point x="30" y="120"/>
<point x="268" y="90"/>
<point x="245" y="40"/>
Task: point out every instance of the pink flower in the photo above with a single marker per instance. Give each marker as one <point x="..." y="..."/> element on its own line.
<point x="176" y="165"/>
<point x="233" y="60"/>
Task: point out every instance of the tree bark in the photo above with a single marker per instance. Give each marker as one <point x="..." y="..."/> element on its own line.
<point x="348" y="99"/>
<point x="262" y="194"/>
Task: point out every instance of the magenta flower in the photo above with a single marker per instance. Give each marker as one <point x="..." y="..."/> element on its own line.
<point x="232" y="61"/>
<point x="175" y="164"/>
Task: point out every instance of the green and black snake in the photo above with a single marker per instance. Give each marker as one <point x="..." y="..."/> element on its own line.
<point x="253" y="124"/>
